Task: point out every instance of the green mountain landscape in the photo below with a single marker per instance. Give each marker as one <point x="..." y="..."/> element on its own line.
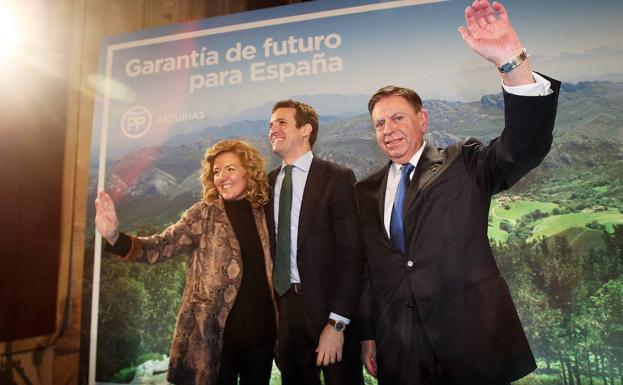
<point x="557" y="234"/>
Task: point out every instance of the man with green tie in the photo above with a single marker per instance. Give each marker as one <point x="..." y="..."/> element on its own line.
<point x="312" y="221"/>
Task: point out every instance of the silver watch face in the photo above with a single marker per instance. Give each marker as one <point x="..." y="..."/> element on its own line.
<point x="340" y="326"/>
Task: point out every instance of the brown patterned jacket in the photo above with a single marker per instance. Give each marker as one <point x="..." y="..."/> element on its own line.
<point x="213" y="276"/>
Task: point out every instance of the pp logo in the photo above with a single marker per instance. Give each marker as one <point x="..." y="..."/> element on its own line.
<point x="136" y="122"/>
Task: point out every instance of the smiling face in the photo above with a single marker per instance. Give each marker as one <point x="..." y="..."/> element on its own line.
<point x="286" y="139"/>
<point x="230" y="176"/>
<point x="399" y="128"/>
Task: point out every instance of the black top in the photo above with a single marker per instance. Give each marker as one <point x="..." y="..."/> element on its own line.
<point x="251" y="321"/>
<point x="122" y="246"/>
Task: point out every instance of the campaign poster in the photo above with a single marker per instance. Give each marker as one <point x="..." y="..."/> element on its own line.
<point x="167" y="94"/>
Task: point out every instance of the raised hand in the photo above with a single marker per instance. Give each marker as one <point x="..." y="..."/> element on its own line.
<point x="490" y="34"/>
<point x="106" y="220"/>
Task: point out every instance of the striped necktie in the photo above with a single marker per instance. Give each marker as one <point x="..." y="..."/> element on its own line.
<point x="396" y="228"/>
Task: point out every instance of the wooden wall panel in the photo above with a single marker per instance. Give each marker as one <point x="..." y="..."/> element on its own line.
<point x="32" y="124"/>
<point x="33" y="115"/>
<point x="61" y="106"/>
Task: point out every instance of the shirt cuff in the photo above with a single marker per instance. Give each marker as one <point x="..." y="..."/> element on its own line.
<point x="337" y="317"/>
<point x="540" y="87"/>
<point x="127" y="247"/>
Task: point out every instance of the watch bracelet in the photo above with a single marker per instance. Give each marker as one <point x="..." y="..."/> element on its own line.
<point x="514" y="62"/>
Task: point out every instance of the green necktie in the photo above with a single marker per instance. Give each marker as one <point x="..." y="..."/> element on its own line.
<point x="281" y="270"/>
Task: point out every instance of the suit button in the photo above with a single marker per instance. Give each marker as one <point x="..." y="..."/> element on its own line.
<point x="408" y="305"/>
<point x="409" y="263"/>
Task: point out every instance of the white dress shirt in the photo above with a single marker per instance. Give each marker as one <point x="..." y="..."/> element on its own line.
<point x="299" y="179"/>
<point x="393" y="178"/>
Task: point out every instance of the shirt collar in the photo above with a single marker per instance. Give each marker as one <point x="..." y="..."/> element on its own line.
<point x="303" y="163"/>
<point x="414" y="160"/>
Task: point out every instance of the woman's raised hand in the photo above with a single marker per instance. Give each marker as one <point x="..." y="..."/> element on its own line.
<point x="106" y="220"/>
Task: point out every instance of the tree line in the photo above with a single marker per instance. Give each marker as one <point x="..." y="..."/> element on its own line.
<point x="571" y="304"/>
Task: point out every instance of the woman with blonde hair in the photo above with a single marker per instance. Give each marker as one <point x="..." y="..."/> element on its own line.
<point x="227" y="318"/>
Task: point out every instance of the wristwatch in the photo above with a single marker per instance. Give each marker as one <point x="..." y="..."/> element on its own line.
<point x="514" y="62"/>
<point x="339" y="326"/>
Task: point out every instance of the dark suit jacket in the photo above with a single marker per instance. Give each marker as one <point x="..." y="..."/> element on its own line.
<point x="328" y="258"/>
<point x="449" y="270"/>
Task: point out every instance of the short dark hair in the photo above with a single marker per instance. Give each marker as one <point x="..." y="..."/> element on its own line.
<point x="410" y="96"/>
<point x="304" y="114"/>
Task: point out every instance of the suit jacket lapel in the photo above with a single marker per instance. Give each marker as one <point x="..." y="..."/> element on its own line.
<point x="428" y="168"/>
<point x="270" y="209"/>
<point x="381" y="194"/>
<point x="311" y="197"/>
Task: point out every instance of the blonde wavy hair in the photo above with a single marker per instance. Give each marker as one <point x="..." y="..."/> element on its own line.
<point x="257" y="191"/>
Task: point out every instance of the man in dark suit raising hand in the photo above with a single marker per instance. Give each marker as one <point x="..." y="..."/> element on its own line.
<point x="435" y="309"/>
